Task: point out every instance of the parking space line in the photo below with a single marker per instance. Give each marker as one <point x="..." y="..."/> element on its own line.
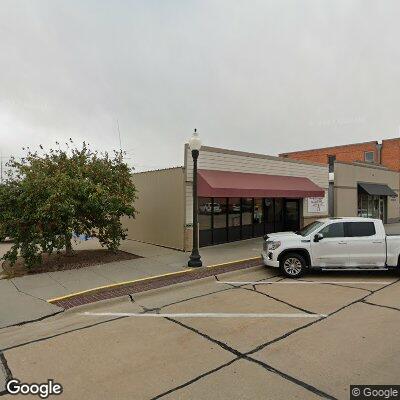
<point x="204" y="315"/>
<point x="304" y="282"/>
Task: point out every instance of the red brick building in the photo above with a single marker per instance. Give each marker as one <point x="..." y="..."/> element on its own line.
<point x="386" y="153"/>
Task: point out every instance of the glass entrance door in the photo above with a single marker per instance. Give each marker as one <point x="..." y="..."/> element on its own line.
<point x="291" y="215"/>
<point x="258" y="217"/>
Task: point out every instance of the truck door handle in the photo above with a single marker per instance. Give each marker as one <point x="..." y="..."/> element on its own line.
<point x="377" y="241"/>
<point x="342" y="242"/>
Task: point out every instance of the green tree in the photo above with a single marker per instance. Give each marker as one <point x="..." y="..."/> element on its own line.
<point x="48" y="196"/>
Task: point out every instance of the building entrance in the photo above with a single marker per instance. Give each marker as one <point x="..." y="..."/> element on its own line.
<point x="224" y="220"/>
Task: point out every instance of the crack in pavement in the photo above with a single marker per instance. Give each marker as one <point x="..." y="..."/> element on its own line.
<point x="239" y="355"/>
<point x="292" y="379"/>
<point x="5" y="370"/>
<point x="56" y="281"/>
<point x="380" y="305"/>
<point x="33" y="320"/>
<point x="262" y="346"/>
<point x="179" y="301"/>
<point x="287" y="334"/>
<point x="221" y="344"/>
<point x="197" y="378"/>
<point x="279" y="300"/>
<point x="61" y="333"/>
<point x="131" y="296"/>
<point x="27" y="294"/>
<point x="338" y="284"/>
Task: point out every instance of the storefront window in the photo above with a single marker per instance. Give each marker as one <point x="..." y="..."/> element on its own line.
<point x="269" y="215"/>
<point x="219" y="220"/>
<point x="362" y="205"/>
<point x="205" y="235"/>
<point x="291" y="215"/>
<point x="258" y="217"/>
<point x="234" y="211"/>
<point x="247" y="210"/>
<point x="375" y="209"/>
<point x="204" y="213"/>
<point x="234" y="229"/>
<point x="278" y="215"/>
<point x="247" y="217"/>
<point x="371" y="206"/>
<point x="219" y="209"/>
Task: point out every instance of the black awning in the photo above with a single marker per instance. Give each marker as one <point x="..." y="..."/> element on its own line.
<point x="377" y="189"/>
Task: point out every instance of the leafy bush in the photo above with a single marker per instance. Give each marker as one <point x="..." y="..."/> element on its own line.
<point x="48" y="196"/>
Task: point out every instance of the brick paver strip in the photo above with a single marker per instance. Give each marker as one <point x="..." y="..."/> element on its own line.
<point x="151" y="283"/>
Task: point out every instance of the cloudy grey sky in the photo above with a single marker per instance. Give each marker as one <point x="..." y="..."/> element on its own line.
<point x="262" y="76"/>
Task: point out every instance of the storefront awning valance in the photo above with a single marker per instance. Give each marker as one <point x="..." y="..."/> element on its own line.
<point x="377" y="189"/>
<point x="240" y="184"/>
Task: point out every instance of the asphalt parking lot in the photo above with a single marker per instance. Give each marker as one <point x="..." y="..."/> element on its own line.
<point x="248" y="334"/>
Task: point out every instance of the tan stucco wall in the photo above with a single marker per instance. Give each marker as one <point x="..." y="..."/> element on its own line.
<point x="345" y="202"/>
<point x="345" y="182"/>
<point x="161" y="208"/>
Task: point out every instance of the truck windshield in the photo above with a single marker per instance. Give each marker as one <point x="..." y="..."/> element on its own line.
<point x="309" y="228"/>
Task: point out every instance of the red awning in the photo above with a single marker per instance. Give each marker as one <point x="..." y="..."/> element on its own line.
<point x="239" y="184"/>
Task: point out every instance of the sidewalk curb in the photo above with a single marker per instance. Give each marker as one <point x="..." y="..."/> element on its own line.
<point x="152" y="282"/>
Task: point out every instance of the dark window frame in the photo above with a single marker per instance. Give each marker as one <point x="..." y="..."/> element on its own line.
<point x="373" y="156"/>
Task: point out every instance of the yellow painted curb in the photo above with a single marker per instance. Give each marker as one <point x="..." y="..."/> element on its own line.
<point x="177" y="273"/>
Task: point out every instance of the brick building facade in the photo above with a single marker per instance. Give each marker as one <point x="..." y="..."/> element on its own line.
<point x="391" y="154"/>
<point x="386" y="153"/>
<point x="364" y="178"/>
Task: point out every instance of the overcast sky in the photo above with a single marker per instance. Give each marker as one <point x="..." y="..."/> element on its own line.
<point x="260" y="76"/>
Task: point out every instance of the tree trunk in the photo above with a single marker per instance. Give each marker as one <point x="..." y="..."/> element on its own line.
<point x="68" y="245"/>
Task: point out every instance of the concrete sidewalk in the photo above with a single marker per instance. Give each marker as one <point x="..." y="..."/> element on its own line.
<point x="25" y="298"/>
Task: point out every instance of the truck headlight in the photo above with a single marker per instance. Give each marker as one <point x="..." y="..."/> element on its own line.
<point x="273" y="245"/>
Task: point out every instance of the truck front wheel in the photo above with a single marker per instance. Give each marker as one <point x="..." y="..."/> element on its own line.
<point x="293" y="265"/>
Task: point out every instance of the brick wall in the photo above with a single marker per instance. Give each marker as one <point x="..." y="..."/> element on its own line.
<point x="346" y="153"/>
<point x="391" y="153"/>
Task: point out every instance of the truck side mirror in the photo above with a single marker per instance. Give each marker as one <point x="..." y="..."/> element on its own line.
<point x="318" y="237"/>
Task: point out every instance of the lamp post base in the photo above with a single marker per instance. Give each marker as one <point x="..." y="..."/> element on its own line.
<point x="195" y="261"/>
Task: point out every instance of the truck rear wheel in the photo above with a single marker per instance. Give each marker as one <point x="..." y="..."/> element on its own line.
<point x="293" y="265"/>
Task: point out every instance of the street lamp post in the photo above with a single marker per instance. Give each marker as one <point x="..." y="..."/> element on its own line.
<point x="195" y="145"/>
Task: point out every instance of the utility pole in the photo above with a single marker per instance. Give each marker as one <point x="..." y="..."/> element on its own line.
<point x="119" y="138"/>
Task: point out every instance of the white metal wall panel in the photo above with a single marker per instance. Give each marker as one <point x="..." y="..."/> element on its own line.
<point x="217" y="160"/>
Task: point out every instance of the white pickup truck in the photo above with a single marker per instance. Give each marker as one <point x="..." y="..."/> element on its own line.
<point x="332" y="243"/>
